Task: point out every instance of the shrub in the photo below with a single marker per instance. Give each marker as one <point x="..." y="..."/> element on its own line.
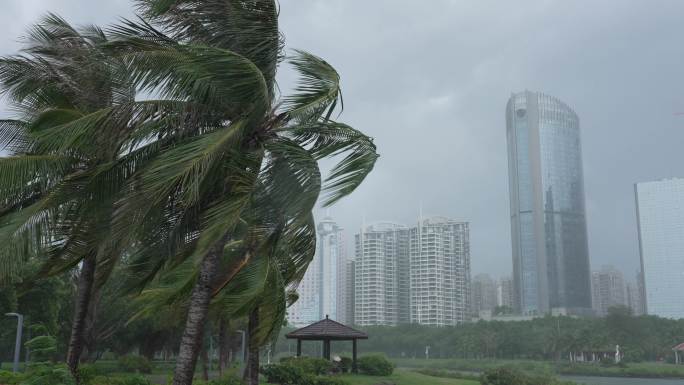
<point x="229" y="379"/>
<point x="120" y="380"/>
<point x="42" y="347"/>
<point x="329" y="381"/>
<point x="375" y="365"/>
<point x="9" y="378"/>
<point x="503" y="376"/>
<point x="134" y="363"/>
<point x="345" y="364"/>
<point x="314" y="366"/>
<point x="45" y="374"/>
<point x="286" y="374"/>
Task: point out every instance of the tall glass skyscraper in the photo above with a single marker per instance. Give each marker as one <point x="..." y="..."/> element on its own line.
<point x="548" y="222"/>
<point x="660" y="214"/>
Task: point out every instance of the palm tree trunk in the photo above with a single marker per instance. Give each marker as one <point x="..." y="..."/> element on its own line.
<point x="78" y="326"/>
<point x="251" y="376"/>
<point x="89" y="353"/>
<point x="193" y="334"/>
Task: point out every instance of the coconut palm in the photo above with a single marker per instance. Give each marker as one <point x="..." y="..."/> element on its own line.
<point x="72" y="144"/>
<point x="218" y="59"/>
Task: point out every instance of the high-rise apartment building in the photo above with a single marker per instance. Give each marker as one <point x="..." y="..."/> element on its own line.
<point x="504" y="293"/>
<point x="484" y="293"/>
<point x="323" y="289"/>
<point x="660" y="216"/>
<point x="440" y="272"/>
<point x="350" y="293"/>
<point x="548" y="222"/>
<point x="381" y="267"/>
<point x="608" y="290"/>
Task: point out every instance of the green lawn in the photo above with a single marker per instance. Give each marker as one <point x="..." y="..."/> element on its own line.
<point x="403" y="377"/>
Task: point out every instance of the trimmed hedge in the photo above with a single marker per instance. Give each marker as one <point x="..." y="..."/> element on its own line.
<point x="315" y="366"/>
<point x="288" y="374"/>
<point x="375" y="365"/>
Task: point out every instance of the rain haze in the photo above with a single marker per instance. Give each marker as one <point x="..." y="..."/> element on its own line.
<point x="430" y="84"/>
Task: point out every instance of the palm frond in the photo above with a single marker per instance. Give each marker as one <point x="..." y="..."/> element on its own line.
<point x="317" y="92"/>
<point x="248" y="28"/>
<point x="326" y="139"/>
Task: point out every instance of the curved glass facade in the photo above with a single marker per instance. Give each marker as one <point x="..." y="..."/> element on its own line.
<point x="548" y="224"/>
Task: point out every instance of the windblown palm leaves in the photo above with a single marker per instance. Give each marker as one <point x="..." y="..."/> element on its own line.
<point x="163" y="141"/>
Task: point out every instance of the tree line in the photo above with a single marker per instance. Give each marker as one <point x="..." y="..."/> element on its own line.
<point x="158" y="181"/>
<point x="641" y="338"/>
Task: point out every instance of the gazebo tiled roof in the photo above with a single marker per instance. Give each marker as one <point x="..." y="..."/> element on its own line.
<point x="679" y="348"/>
<point x="327" y="329"/>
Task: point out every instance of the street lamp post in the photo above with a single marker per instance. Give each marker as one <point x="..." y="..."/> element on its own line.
<point x="242" y="352"/>
<point x="17" y="342"/>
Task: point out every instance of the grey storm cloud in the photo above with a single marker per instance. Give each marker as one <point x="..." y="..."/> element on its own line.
<point x="429" y="81"/>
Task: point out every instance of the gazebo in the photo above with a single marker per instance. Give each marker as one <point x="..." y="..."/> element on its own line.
<point x="677" y="350"/>
<point x="327" y="330"/>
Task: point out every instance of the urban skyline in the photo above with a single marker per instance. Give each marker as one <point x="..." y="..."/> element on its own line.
<point x="551" y="264"/>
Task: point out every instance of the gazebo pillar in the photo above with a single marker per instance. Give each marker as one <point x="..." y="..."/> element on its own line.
<point x="355" y="368"/>
<point x="299" y="347"/>
<point x="326" y="349"/>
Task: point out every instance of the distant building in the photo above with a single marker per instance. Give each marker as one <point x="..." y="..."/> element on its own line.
<point x="608" y="290"/>
<point x="548" y="221"/>
<point x="381" y="266"/>
<point x="323" y="290"/>
<point x="660" y="215"/>
<point x="635" y="296"/>
<point x="440" y="272"/>
<point x="504" y="293"/>
<point x="484" y="293"/>
<point x="351" y="294"/>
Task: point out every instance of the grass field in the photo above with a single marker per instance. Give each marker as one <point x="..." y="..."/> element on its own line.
<point x="404" y="377"/>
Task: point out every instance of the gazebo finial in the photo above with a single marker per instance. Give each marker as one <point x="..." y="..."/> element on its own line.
<point x="326" y="316"/>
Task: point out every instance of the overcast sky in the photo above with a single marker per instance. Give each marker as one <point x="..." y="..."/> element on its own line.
<point x="430" y="80"/>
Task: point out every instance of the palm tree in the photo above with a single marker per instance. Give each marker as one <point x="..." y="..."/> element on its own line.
<point x="217" y="59"/>
<point x="56" y="199"/>
<point x="75" y="141"/>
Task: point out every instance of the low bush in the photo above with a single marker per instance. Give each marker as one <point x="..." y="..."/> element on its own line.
<point x="9" y="378"/>
<point x="503" y="376"/>
<point x="315" y="366"/>
<point x="375" y="365"/>
<point x="119" y="380"/>
<point x="345" y="364"/>
<point x="329" y="381"/>
<point x="286" y="374"/>
<point x="134" y="364"/>
<point x="46" y="374"/>
<point x="229" y="379"/>
<point x="42" y="348"/>
<point x="88" y="372"/>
